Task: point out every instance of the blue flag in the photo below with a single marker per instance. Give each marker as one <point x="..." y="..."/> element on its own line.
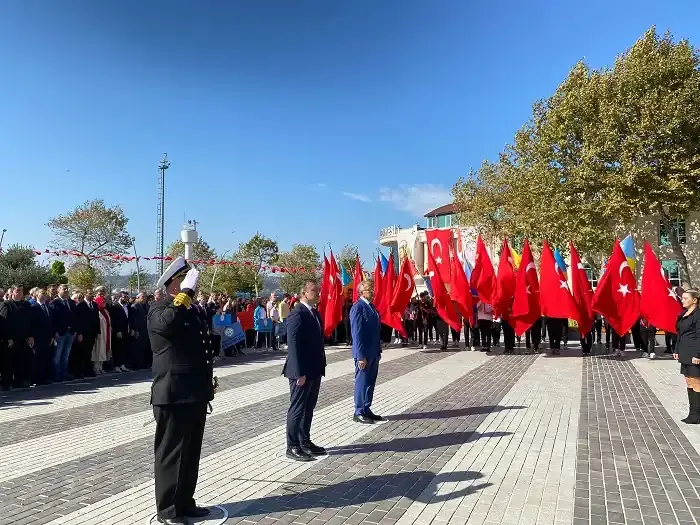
<point x="560" y="261"/>
<point x="385" y="262"/>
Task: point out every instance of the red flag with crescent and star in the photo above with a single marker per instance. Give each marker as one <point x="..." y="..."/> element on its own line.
<point x="323" y="291"/>
<point x="378" y="284"/>
<point x="659" y="303"/>
<point x="616" y="296"/>
<point x="387" y="316"/>
<point x="439" y="244"/>
<point x="483" y="278"/>
<point x="405" y="285"/>
<point x="502" y="300"/>
<point x="333" y="313"/>
<point x="459" y="289"/>
<point x="556" y="300"/>
<point x="581" y="290"/>
<point x="357" y="278"/>
<point x="442" y="300"/>
<point x="526" y="304"/>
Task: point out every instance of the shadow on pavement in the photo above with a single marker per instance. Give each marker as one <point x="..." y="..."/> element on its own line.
<point x="458" y="412"/>
<point x="371" y="489"/>
<point x="415" y="443"/>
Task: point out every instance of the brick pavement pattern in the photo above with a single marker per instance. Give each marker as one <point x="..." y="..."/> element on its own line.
<point x="635" y="465"/>
<point x="470" y="439"/>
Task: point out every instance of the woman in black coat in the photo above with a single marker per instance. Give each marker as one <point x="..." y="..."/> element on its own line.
<point x="688" y="351"/>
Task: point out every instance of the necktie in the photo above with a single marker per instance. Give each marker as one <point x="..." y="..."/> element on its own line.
<point x="46" y="310"/>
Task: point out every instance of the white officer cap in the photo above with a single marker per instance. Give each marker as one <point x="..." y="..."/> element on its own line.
<point x="178" y="268"/>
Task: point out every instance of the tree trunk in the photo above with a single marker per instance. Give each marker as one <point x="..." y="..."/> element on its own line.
<point x="684" y="271"/>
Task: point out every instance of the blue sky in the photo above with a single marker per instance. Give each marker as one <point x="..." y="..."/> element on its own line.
<point x="309" y="121"/>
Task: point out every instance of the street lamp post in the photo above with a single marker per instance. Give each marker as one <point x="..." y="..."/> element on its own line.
<point x="138" y="269"/>
<point x="2" y="237"/>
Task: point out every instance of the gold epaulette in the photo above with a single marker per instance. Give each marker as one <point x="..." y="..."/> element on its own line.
<point x="182" y="299"/>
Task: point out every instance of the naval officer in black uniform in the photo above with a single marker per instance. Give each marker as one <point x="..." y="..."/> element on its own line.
<point x="182" y="388"/>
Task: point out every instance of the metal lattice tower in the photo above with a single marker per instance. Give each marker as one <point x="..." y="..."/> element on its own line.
<point x="160" y="248"/>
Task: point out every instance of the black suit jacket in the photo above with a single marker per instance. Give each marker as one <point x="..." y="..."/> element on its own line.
<point x="305" y="353"/>
<point x="120" y="320"/>
<point x="63" y="313"/>
<point x="43" y="325"/>
<point x="688" y="343"/>
<point x="15" y="321"/>
<point x="182" y="361"/>
<point x="87" y="320"/>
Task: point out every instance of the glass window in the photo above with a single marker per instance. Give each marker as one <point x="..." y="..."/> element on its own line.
<point x="672" y="272"/>
<point x="591" y="276"/>
<point x="441" y="221"/>
<point x="678" y="225"/>
<point x="432" y="222"/>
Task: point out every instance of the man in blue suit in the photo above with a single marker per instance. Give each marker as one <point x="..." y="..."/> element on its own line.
<point x="365" y="326"/>
<point x="304" y="367"/>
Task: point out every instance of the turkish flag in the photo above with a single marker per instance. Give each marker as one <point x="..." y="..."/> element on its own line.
<point x="483" y="278"/>
<point x="616" y="296"/>
<point x="582" y="292"/>
<point x="405" y="285"/>
<point x="439" y="245"/>
<point x="357" y="278"/>
<point x="378" y="284"/>
<point x="659" y="303"/>
<point x="323" y="292"/>
<point x="459" y="289"/>
<point x="333" y="312"/>
<point x="502" y="300"/>
<point x="388" y="317"/>
<point x="443" y="302"/>
<point x="526" y="304"/>
<point x="556" y="300"/>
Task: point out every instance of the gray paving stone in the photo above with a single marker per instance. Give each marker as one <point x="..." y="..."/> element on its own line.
<point x="635" y="463"/>
<point x="129" y="465"/>
<point x="60" y="420"/>
<point x="427" y="437"/>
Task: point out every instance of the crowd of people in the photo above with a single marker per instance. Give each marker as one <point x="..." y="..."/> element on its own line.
<point x="55" y="334"/>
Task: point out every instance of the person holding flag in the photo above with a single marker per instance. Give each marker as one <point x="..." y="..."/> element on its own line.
<point x="688" y="351"/>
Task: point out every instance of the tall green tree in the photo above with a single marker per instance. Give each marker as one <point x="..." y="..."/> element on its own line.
<point x="82" y="276"/>
<point x="94" y="230"/>
<point x="256" y="254"/>
<point x="609" y="147"/>
<point x="300" y="256"/>
<point x="58" y="272"/>
<point x="18" y="266"/>
<point x="347" y="257"/>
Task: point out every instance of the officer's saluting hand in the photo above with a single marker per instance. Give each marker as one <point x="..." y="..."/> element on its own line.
<point x="182" y="388"/>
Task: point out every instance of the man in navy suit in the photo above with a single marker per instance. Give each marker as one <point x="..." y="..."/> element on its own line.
<point x="304" y="367"/>
<point x="365" y="326"/>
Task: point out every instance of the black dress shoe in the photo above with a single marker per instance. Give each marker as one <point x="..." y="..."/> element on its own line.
<point x="173" y="521"/>
<point x="298" y="454"/>
<point x="362" y="419"/>
<point x="197" y="512"/>
<point x="314" y="450"/>
<point x="373" y="416"/>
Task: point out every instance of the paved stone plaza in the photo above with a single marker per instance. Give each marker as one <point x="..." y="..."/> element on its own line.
<point x="470" y="438"/>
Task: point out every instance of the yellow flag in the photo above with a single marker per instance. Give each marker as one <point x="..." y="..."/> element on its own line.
<point x="516" y="259"/>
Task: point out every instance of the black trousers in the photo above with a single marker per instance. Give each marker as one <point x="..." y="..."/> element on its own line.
<point x="42" y="370"/>
<point x="637" y="336"/>
<point x="533" y="335"/>
<point x="598" y="327"/>
<point x="618" y="341"/>
<point x="442" y="329"/>
<point x="302" y="402"/>
<point x="496" y="333"/>
<point x="422" y="333"/>
<point x="670" y="340"/>
<point x="16" y="364"/>
<point x="648" y="335"/>
<point x="178" y="447"/>
<point x="554" y="327"/>
<point x="508" y="336"/>
<point x="587" y="342"/>
<point x="485" y="329"/>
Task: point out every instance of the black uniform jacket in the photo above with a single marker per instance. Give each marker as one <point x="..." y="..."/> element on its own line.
<point x="688" y="345"/>
<point x="182" y="361"/>
<point x="305" y="353"/>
